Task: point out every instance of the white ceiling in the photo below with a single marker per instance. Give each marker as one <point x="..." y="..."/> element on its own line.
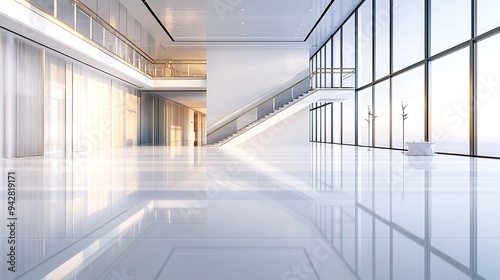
<point x="238" y="20"/>
<point x="195" y="23"/>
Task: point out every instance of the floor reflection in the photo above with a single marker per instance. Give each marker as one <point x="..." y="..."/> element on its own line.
<point x="315" y="212"/>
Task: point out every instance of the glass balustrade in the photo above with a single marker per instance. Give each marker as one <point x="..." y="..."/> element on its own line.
<point x="86" y="22"/>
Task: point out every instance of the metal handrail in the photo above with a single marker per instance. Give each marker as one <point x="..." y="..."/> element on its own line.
<point x="348" y="72"/>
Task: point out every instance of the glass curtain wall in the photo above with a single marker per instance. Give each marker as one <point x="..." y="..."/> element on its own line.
<point x="53" y="104"/>
<point x="438" y="58"/>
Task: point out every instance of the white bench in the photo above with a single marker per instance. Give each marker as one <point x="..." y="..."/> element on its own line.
<point x="420" y="148"/>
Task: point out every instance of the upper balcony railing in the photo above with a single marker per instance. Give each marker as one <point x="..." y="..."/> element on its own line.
<point x="333" y="78"/>
<point x="87" y="23"/>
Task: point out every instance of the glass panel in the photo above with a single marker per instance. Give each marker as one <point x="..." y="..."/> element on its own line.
<point x="322" y="66"/>
<point x="365" y="56"/>
<point x="455" y="29"/>
<point x="382" y="42"/>
<point x="337" y="59"/>
<point x="83" y="23"/>
<point x="110" y="41"/>
<point x="348" y="121"/>
<point x="449" y="84"/>
<point x="408" y="34"/>
<point x="46" y="5"/>
<point x="328" y="65"/>
<point x="312" y="116"/>
<point x="488" y="96"/>
<point x="487" y="15"/>
<point x="328" y="123"/>
<point x="382" y="111"/>
<point x="336" y="122"/>
<point x="55" y="99"/>
<point x="408" y="88"/>
<point x="348" y="48"/>
<point x="364" y="102"/>
<point x="314" y="68"/>
<point x="118" y="115"/>
<point x="97" y="33"/>
<point x="65" y="12"/>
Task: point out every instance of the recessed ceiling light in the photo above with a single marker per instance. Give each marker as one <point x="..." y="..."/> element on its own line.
<point x="242" y="10"/>
<point x="242" y="23"/>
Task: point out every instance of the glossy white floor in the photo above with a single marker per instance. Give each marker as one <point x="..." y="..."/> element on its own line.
<point x="315" y="212"/>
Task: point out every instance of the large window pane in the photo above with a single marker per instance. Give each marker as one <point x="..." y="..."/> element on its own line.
<point x="365" y="56"/>
<point x="328" y="123"/>
<point x="408" y="32"/>
<point x="337" y="59"/>
<point x="382" y="111"/>
<point x="328" y="59"/>
<point x="322" y="64"/>
<point x="408" y="88"/>
<point x="487" y="15"/>
<point x="348" y="121"/>
<point x="348" y="50"/>
<point x="455" y="29"/>
<point x="314" y="70"/>
<point x="364" y="102"/>
<point x="488" y="96"/>
<point x="382" y="26"/>
<point x="450" y="102"/>
<point x="336" y="122"/>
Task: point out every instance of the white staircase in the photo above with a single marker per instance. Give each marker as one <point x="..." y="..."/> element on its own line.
<point x="263" y="119"/>
<point x="283" y="112"/>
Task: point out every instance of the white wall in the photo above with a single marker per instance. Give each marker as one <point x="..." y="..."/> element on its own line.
<point x="237" y="75"/>
<point x="290" y="132"/>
